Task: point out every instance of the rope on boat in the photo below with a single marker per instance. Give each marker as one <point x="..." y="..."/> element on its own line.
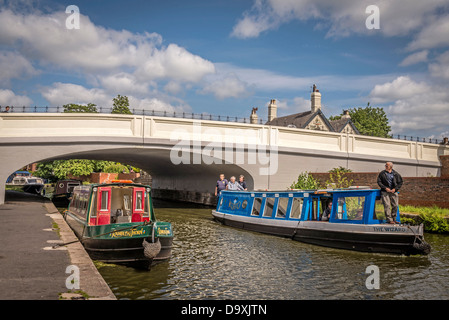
<point x="296" y="229"/>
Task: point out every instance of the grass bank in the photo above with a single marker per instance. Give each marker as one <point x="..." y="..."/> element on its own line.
<point x="435" y="219"/>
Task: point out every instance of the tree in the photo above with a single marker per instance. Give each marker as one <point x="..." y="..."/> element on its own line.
<point x="73" y="108"/>
<point x="370" y="121"/>
<point x="62" y="169"/>
<point x="121" y="105"/>
<point x="338" y="180"/>
<point x="305" y="182"/>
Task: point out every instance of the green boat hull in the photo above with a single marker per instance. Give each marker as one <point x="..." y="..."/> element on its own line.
<point x="123" y="243"/>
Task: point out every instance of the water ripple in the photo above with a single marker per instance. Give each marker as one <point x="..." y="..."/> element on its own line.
<point x="211" y="261"/>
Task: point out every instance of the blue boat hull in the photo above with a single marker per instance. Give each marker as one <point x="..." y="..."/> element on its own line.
<point x="366" y="238"/>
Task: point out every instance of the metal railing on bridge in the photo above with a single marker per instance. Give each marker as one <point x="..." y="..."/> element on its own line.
<point x="138" y="112"/>
<point x="187" y="115"/>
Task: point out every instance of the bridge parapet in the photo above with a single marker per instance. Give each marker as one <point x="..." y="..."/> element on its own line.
<point x="146" y="128"/>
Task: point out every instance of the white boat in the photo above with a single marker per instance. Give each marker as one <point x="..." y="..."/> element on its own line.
<point x="25" y="179"/>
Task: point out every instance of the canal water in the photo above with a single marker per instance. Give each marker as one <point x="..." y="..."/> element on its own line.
<point x="212" y="261"/>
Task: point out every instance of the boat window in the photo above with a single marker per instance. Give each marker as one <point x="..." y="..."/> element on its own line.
<point x="350" y="208"/>
<point x="256" y="206"/>
<point x="269" y="204"/>
<point x="139" y="200"/>
<point x="379" y="213"/>
<point x="146" y="204"/>
<point x="104" y="200"/>
<point x="315" y="208"/>
<point x="127" y="202"/>
<point x="73" y="202"/>
<point x="70" y="187"/>
<point x="296" y="208"/>
<point x="282" y="208"/>
<point x="93" y="211"/>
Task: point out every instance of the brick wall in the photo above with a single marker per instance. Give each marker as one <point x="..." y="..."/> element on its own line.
<point x="444" y="166"/>
<point x="103" y="177"/>
<point x="416" y="191"/>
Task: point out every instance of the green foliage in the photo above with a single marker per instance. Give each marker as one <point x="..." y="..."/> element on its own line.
<point x="116" y="168"/>
<point x="434" y="218"/>
<point x="305" y="182"/>
<point x="45" y="170"/>
<point x="340" y="169"/>
<point x="62" y="169"/>
<point x="338" y="180"/>
<point x="121" y="105"/>
<point x="434" y="223"/>
<point x="74" y="108"/>
<point x="429" y="210"/>
<point x="370" y="121"/>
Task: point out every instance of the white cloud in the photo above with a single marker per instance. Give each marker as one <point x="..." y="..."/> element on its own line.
<point x="175" y="63"/>
<point x="158" y="104"/>
<point x="291" y="106"/>
<point x="173" y="87"/>
<point x="60" y="94"/>
<point x="402" y="87"/>
<point x="415" y="58"/>
<point x="8" y="97"/>
<point x="440" y="68"/>
<point x="267" y="80"/>
<point x="112" y="62"/>
<point x="94" y="49"/>
<point x="433" y="35"/>
<point x="14" y="66"/>
<point x="414" y="106"/>
<point x="340" y="18"/>
<point x="228" y="86"/>
<point x="123" y="82"/>
<point x="63" y="93"/>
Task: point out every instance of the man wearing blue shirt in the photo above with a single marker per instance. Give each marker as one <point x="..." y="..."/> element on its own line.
<point x="221" y="184"/>
<point x="233" y="185"/>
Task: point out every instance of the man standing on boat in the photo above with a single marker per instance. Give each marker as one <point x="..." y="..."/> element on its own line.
<point x="390" y="181"/>
<point x="221" y="185"/>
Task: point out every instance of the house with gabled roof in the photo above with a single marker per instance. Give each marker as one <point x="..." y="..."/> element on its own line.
<point x="314" y="119"/>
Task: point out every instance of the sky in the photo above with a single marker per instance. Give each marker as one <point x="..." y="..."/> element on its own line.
<point x="225" y="57"/>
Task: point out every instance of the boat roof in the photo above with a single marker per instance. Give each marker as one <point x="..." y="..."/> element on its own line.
<point x="314" y="191"/>
<point x="115" y="183"/>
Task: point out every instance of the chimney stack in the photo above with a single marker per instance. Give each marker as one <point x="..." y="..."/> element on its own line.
<point x="272" y="110"/>
<point x="253" y="119"/>
<point x="315" y="99"/>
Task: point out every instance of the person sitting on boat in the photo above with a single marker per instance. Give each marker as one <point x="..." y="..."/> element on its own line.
<point x="390" y="181"/>
<point x="233" y="185"/>
<point x="221" y="185"/>
<point x="327" y="212"/>
<point x="242" y="182"/>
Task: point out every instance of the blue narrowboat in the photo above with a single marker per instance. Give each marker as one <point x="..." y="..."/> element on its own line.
<point x="350" y="219"/>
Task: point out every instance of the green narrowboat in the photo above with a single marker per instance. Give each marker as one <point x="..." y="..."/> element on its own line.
<point x="115" y="222"/>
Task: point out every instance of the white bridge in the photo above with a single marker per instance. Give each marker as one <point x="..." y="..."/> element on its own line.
<point x="187" y="155"/>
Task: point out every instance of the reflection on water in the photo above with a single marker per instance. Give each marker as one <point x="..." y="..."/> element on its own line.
<point x="212" y="261"/>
